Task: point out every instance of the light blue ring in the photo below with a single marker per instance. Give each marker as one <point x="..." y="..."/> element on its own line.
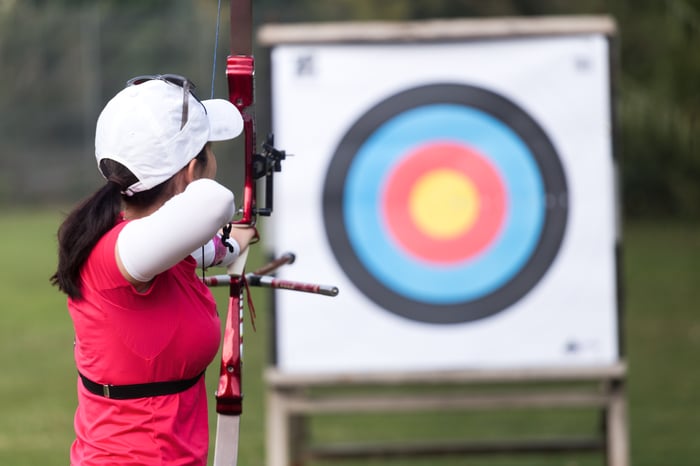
<point x="424" y="281"/>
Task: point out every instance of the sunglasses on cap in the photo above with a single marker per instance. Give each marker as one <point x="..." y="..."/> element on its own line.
<point x="175" y="79"/>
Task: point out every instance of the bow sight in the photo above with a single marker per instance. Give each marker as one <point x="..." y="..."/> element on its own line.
<point x="265" y="163"/>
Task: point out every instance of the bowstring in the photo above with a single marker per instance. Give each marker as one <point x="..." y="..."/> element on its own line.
<point x="216" y="47"/>
<point x="213" y="81"/>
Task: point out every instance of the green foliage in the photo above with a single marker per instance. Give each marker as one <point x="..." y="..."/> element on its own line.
<point x="659" y="108"/>
<point x="63" y="59"/>
<point x="661" y="157"/>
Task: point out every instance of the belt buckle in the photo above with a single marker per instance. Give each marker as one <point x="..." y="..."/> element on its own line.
<point x="105" y="391"/>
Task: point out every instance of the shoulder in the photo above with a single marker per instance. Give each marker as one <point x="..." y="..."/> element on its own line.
<point x="104" y="249"/>
<point x="101" y="267"/>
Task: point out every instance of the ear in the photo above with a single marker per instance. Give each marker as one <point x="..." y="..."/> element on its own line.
<point x="184" y="177"/>
<point x="189" y="171"/>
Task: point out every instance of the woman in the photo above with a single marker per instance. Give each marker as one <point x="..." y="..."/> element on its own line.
<point x="145" y="325"/>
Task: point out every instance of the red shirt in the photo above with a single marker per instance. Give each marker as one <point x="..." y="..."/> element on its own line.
<point x="170" y="332"/>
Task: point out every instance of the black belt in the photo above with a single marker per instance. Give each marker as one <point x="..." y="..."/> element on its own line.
<point x="138" y="390"/>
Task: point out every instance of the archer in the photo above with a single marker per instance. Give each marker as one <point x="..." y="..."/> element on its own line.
<point x="146" y="327"/>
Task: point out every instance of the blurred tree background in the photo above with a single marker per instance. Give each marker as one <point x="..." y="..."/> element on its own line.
<point x="63" y="59"/>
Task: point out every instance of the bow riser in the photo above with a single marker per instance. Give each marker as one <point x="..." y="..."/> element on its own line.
<point x="240" y="71"/>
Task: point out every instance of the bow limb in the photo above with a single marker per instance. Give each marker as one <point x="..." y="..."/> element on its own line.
<point x="229" y="395"/>
<point x="240" y="72"/>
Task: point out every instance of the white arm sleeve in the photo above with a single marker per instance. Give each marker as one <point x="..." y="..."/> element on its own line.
<point x="150" y="245"/>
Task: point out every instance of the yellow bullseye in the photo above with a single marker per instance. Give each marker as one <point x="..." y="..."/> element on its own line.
<point x="444" y="204"/>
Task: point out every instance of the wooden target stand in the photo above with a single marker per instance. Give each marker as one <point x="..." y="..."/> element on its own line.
<point x="293" y="399"/>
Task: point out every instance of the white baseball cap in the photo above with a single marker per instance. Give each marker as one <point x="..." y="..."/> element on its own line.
<point x="142" y="128"/>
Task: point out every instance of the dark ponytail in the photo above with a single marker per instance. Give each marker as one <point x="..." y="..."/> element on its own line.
<point x="80" y="232"/>
<point x="86" y="224"/>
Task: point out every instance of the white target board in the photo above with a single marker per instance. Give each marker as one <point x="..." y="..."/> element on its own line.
<point x="460" y="193"/>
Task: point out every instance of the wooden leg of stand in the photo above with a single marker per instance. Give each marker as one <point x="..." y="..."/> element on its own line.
<point x="617" y="435"/>
<point x="298" y="438"/>
<point x="277" y="428"/>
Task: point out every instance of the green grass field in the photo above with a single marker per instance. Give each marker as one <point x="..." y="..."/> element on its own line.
<point x="662" y="331"/>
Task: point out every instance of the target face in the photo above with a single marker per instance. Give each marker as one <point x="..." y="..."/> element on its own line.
<point x="445" y="203"/>
<point x="460" y="194"/>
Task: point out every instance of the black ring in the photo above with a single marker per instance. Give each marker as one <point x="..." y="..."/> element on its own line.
<point x="548" y="163"/>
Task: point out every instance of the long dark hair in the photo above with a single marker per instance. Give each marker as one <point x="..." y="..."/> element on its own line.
<point x="95" y="216"/>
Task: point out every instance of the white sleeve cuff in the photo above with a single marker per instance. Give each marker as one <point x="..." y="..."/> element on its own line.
<point x="215" y="252"/>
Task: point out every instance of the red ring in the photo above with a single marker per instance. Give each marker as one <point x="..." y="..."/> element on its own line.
<point x="465" y="161"/>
